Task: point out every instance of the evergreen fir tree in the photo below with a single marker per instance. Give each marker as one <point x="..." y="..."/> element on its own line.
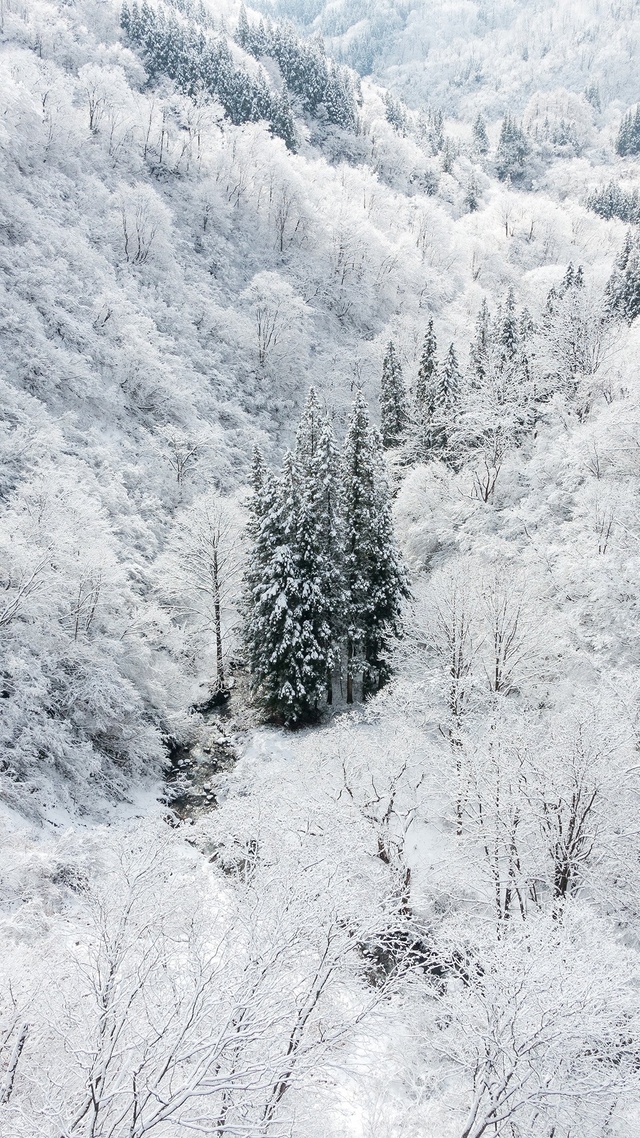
<point x="261" y="39"/>
<point x="567" y="280"/>
<point x="427" y="374"/>
<point x="285" y="629"/>
<point x="259" y="480"/>
<point x="526" y="325"/>
<point x="623" y="287"/>
<point x="314" y="76"/>
<point x="512" y="151"/>
<point x="294" y="587"/>
<point x="481" y="347"/>
<point x="262" y="101"/>
<point x="612" y="201"/>
<point x="262" y="484"/>
<point x="147" y="19"/>
<point x="125" y="17"/>
<point x="480" y="136"/>
<point x="449" y="154"/>
<point x="243" y="33"/>
<point x="281" y="120"/>
<point x="436" y="130"/>
<point x="133" y="31"/>
<point x="395" y="113"/>
<point x="526" y="329"/>
<point x="426" y="394"/>
<point x="319" y="471"/>
<point x="472" y="195"/>
<point x="441" y="431"/>
<point x="628" y="141"/>
<point x="394" y="411"/>
<point x="507" y="334"/>
<point x="309" y="430"/>
<point x="450" y="382"/>
<point x="322" y="485"/>
<point x="338" y="101"/>
<point x="375" y="580"/>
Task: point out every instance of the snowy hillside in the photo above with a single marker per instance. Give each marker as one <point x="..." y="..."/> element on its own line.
<point x="476" y="55"/>
<point x="418" y="914"/>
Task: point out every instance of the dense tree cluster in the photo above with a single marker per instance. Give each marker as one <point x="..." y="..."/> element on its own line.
<point x="452" y="411"/>
<point x="612" y="201"/>
<point x="395" y="112"/>
<point x="431" y="128"/>
<point x="324" y="582"/>
<point x="515" y="365"/>
<point x="628" y="140"/>
<point x="201" y="64"/>
<point x="623" y="286"/>
<point x="562" y="134"/>
<point x="323" y="89"/>
<point x="426" y="427"/>
<point x="513" y="149"/>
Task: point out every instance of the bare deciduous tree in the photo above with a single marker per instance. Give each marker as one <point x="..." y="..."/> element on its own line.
<point x="179" y="1016"/>
<point x="144" y="217"/>
<point x="277" y="310"/>
<point x="201" y="572"/>
<point x="521" y="1031"/>
<point x="17" y="586"/>
<point x="182" y="450"/>
<point x="511" y="648"/>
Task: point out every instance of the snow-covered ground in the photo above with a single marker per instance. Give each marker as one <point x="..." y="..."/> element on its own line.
<point x="421" y="916"/>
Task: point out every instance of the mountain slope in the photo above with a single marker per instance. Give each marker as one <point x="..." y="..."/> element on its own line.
<point x="420" y="917"/>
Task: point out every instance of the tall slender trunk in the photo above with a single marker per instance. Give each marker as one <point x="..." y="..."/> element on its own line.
<point x="329" y="685"/>
<point x="218" y="623"/>
<point x="349" y="670"/>
<point x="7" y="1088"/>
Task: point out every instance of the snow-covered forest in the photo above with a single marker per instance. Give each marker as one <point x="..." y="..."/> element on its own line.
<point x="319" y="569"/>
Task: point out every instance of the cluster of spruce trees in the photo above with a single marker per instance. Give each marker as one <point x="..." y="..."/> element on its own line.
<point x="200" y="63"/>
<point x="515" y="144"/>
<point x="628" y="140"/>
<point x="561" y="134"/>
<point x="322" y="88"/>
<point x="512" y="151"/>
<point x="453" y="412"/>
<point x="435" y="423"/>
<point x="325" y="583"/>
<point x="623" y="287"/>
<point x="612" y="201"/>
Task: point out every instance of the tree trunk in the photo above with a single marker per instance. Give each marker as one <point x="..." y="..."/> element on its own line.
<point x="5" y="1091"/>
<point x="218" y="624"/>
<point x="329" y="685"/>
<point x="349" y="670"/>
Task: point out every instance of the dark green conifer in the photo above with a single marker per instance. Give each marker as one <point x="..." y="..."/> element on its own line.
<point x="427" y="374"/>
<point x="628" y="141"/>
<point x="622" y="292"/>
<point x="375" y="579"/>
<point x="513" y="149"/>
<point x="472" y="196"/>
<point x="285" y="629"/>
<point x="281" y="120"/>
<point x="394" y="411"/>
<point x="480" y="136"/>
<point x="125" y="16"/>
<point x="481" y="347"/>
